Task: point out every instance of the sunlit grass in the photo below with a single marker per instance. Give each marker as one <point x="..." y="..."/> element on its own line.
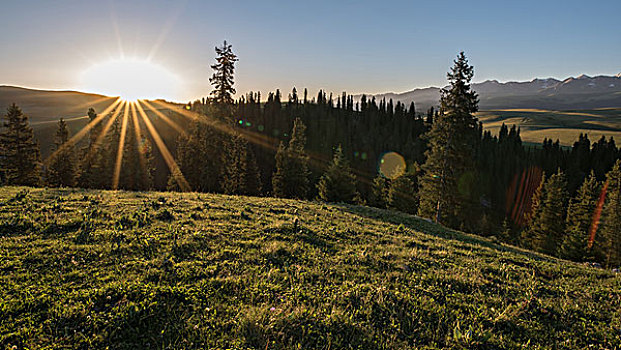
<point x="97" y="269"/>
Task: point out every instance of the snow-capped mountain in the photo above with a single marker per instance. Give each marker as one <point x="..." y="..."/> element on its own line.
<point x="581" y="92"/>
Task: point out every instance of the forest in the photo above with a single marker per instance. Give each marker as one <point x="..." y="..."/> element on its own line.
<point x="439" y="164"/>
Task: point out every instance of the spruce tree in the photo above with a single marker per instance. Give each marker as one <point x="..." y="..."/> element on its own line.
<point x="222" y="78"/>
<point x="535" y="205"/>
<point x="547" y="228"/>
<point x="62" y="167"/>
<point x="137" y="163"/>
<point x="445" y="191"/>
<point x="20" y="159"/>
<point x="579" y="220"/>
<point x="403" y="195"/>
<point x="338" y="183"/>
<point x="610" y="230"/>
<point x="379" y="192"/>
<point x="291" y="178"/>
<point x="92" y="171"/>
<point x="241" y="173"/>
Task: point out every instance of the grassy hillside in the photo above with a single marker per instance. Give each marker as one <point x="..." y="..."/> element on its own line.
<point x="44" y="106"/>
<point x="536" y="124"/>
<point x="92" y="269"/>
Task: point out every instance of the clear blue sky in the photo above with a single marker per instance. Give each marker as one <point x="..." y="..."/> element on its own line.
<point x="353" y="46"/>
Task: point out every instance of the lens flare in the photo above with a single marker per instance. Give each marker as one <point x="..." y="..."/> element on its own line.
<point x="520" y="194"/>
<point x="597" y="215"/>
<point x="392" y="165"/>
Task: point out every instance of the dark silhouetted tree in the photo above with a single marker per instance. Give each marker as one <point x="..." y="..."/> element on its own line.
<point x="445" y="186"/>
<point x="610" y="231"/>
<point x="291" y="178"/>
<point x="222" y="78"/>
<point x="403" y="194"/>
<point x="379" y="192"/>
<point x="579" y="219"/>
<point x="20" y="159"/>
<point x="548" y="225"/>
<point x="241" y="173"/>
<point x="62" y="168"/>
<point x="338" y="183"/>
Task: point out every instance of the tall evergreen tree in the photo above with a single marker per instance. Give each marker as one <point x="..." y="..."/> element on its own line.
<point x="222" y="78"/>
<point x="62" y="167"/>
<point x="611" y="216"/>
<point x="20" y="159"/>
<point x="379" y="192"/>
<point x="579" y="219"/>
<point x="338" y="183"/>
<point x="91" y="173"/>
<point x="547" y="228"/>
<point x="241" y="173"/>
<point x="137" y="163"/>
<point x="403" y="194"/>
<point x="291" y="178"/>
<point x="445" y="186"/>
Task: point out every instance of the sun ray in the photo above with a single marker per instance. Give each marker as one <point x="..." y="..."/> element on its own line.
<point x="258" y="139"/>
<point x="115" y="26"/>
<point x="315" y="160"/>
<point x="119" y="153"/>
<point x="168" y="158"/>
<point x="166" y="30"/>
<point x="56" y="121"/>
<point x="93" y="103"/>
<point x="80" y="134"/>
<point x="168" y="121"/>
<point x="108" y="125"/>
<point x="262" y="140"/>
<point x="138" y="133"/>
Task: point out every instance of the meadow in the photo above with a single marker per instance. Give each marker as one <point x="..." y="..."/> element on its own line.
<point x="566" y="126"/>
<point x="88" y="269"/>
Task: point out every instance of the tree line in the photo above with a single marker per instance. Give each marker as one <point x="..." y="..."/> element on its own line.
<point x="558" y="200"/>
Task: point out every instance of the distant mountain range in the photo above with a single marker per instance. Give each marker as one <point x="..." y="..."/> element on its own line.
<point x="582" y="92"/>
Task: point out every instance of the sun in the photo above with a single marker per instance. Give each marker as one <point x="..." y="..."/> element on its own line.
<point x="130" y="79"/>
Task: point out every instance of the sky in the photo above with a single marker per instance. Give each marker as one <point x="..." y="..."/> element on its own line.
<point x="354" y="46"/>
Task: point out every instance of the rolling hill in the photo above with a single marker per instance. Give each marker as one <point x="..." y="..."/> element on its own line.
<point x="102" y="269"/>
<point x="566" y="126"/>
<point x="45" y="108"/>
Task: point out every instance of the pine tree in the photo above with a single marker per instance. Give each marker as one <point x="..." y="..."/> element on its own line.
<point x="535" y="205"/>
<point x="241" y="173"/>
<point x="137" y="164"/>
<point x="610" y="230"/>
<point x="379" y="192"/>
<point x="579" y="219"/>
<point x="62" y="168"/>
<point x="403" y="194"/>
<point x="20" y="159"/>
<point x="93" y="157"/>
<point x="445" y="190"/>
<point x="252" y="181"/>
<point x="338" y="183"/>
<point x="222" y="78"/>
<point x="291" y="178"/>
<point x="546" y="229"/>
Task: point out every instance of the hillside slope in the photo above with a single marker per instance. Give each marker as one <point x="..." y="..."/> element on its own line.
<point x="43" y="106"/>
<point x="91" y="269"/>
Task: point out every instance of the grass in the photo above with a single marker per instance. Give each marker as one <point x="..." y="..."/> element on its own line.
<point x="96" y="269"/>
<point x="566" y="126"/>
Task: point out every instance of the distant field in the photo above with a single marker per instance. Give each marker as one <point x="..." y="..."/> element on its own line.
<point x="566" y="126"/>
<point x="100" y="269"/>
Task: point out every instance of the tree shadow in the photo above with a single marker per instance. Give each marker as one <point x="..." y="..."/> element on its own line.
<point x="424" y="226"/>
